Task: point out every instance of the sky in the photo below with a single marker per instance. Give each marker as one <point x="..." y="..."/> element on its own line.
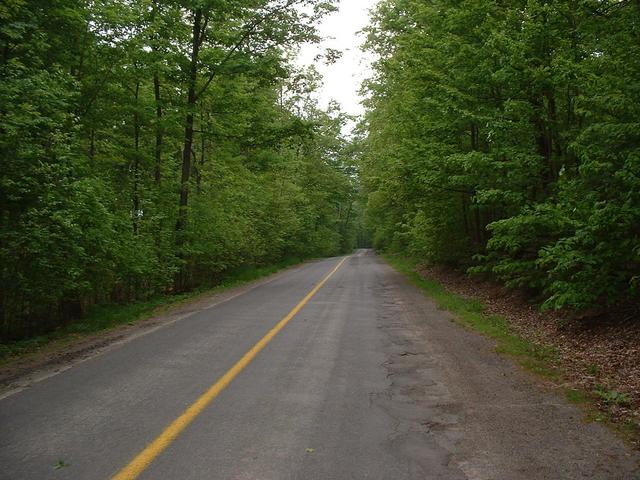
<point x="343" y="78"/>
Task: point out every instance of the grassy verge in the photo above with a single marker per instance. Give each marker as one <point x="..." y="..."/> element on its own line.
<point x="542" y="361"/>
<point x="104" y="318"/>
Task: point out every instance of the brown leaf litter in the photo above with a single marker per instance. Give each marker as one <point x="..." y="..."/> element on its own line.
<point x="599" y="354"/>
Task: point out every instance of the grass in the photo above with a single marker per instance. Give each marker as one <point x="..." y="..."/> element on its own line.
<point x="537" y="359"/>
<point x="103" y="318"/>
<point x="577" y="397"/>
<point x="611" y="397"/>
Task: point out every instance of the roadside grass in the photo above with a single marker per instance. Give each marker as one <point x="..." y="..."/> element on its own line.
<point x="103" y="318"/>
<point x="542" y="361"/>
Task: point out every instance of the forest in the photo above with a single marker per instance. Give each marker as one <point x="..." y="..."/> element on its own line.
<point x="150" y="147"/>
<point x="503" y="138"/>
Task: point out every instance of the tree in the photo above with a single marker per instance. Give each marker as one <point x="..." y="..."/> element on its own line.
<point x="121" y="120"/>
<point x="499" y="137"/>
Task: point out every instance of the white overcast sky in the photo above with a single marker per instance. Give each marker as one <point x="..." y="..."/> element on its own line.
<point x="343" y="78"/>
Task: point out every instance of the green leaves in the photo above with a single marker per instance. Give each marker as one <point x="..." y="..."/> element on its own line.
<point x="504" y="137"/>
<point x="93" y="104"/>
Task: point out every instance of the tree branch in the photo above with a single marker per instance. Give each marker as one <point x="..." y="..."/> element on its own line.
<point x="249" y="30"/>
<point x="603" y="12"/>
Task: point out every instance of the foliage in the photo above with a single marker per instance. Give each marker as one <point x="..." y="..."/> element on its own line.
<point x="102" y="199"/>
<point x="503" y="137"/>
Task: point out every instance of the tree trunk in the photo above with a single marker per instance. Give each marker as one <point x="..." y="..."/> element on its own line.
<point x="136" y="161"/>
<point x="188" y="128"/>
<point x="203" y="156"/>
<point x="158" y="100"/>
<point x="465" y="216"/>
<point x="92" y="144"/>
<point x="345" y="226"/>
<point x="158" y="149"/>
<point x="478" y="226"/>
<point x="545" y="141"/>
<point x="475" y="137"/>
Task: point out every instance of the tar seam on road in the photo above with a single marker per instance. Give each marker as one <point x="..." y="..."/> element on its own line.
<point x="140" y="463"/>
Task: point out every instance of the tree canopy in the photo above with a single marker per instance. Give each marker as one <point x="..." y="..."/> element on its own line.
<point x="151" y="146"/>
<point x="503" y="136"/>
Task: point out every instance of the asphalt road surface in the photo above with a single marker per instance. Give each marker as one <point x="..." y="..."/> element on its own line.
<point x="365" y="379"/>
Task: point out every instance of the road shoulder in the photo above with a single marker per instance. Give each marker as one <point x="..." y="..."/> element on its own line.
<point x="494" y="418"/>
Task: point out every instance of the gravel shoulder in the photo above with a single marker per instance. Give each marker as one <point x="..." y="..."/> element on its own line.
<point x="598" y="356"/>
<point x="495" y="420"/>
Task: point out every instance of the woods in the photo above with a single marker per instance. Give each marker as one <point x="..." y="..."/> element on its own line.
<point x="149" y="147"/>
<point x="502" y="137"/>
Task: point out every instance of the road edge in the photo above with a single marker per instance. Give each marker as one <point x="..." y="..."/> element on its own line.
<point x="538" y="361"/>
<point x="25" y="370"/>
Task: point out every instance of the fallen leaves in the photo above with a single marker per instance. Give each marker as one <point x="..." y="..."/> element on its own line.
<point x="596" y="354"/>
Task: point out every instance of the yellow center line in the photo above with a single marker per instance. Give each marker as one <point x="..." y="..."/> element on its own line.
<point x="140" y="463"/>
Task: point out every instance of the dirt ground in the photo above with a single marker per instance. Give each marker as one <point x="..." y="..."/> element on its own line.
<point x="600" y="354"/>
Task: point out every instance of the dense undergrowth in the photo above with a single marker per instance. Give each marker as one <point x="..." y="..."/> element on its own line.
<point x="105" y="317"/>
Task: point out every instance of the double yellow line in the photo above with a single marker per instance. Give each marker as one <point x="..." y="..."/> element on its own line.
<point x="140" y="463"/>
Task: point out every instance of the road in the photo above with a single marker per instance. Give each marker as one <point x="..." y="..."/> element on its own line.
<point x="364" y="379"/>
